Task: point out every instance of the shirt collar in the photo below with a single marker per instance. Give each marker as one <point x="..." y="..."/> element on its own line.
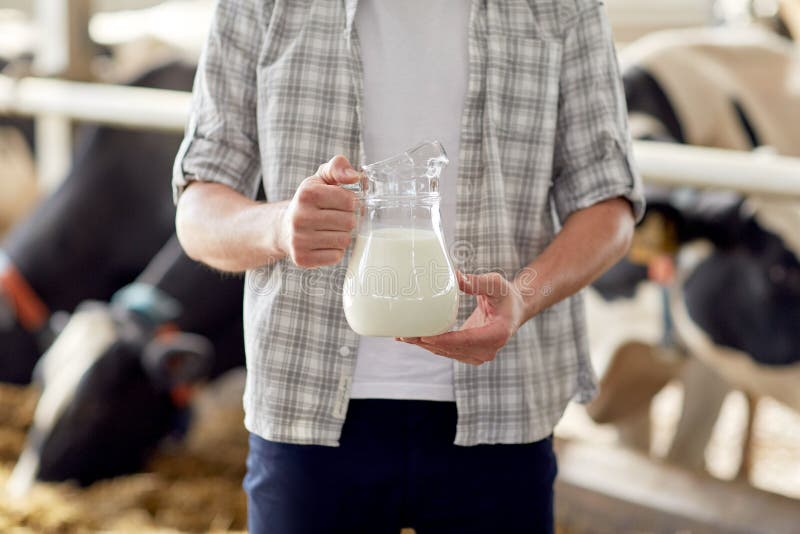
<point x="350" y="7"/>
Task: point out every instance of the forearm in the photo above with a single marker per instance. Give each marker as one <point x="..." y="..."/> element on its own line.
<point x="591" y="241"/>
<point x="226" y="230"/>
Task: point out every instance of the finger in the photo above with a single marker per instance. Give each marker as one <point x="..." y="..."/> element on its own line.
<point x="453" y="356"/>
<point x="327" y="256"/>
<point x="335" y="198"/>
<point x="491" y="284"/>
<point x="326" y="239"/>
<point x="332" y="220"/>
<point x="441" y="351"/>
<point x="338" y="171"/>
<point x="471" y="341"/>
<point x="317" y="194"/>
<point x="318" y="258"/>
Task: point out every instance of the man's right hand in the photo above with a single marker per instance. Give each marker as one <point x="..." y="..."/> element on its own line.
<point x="317" y="224"/>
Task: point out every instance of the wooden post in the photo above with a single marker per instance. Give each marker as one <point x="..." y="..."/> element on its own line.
<point x="65" y="51"/>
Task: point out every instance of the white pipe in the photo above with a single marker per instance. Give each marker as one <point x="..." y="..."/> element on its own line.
<point x="52" y="52"/>
<point x="675" y="13"/>
<point x="64" y="48"/>
<point x="756" y="173"/>
<point x="52" y="165"/>
<point x="131" y="107"/>
<point x="666" y="164"/>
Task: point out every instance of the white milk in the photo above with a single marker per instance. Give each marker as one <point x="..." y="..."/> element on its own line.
<point x="399" y="284"/>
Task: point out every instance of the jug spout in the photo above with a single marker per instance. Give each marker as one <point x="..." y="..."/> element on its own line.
<point x="417" y="170"/>
<point x="431" y="155"/>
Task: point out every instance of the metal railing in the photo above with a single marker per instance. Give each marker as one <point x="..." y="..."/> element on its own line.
<point x="164" y="110"/>
<point x="755" y="173"/>
<point x="115" y="105"/>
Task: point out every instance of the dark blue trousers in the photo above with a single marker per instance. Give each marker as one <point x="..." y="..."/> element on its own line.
<point x="397" y="467"/>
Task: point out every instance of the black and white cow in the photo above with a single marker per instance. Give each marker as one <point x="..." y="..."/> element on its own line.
<point x="117" y="379"/>
<point x="741" y="295"/>
<point x="92" y="236"/>
<point x="735" y="305"/>
<point x="733" y="309"/>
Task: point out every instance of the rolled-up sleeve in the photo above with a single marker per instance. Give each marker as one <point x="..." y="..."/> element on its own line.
<point x="593" y="159"/>
<point x="221" y="141"/>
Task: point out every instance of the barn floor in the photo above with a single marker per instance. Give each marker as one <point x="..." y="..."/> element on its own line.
<point x="192" y="487"/>
<point x="195" y="486"/>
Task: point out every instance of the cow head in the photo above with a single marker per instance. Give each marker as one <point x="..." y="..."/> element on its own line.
<point x="672" y="220"/>
<point x="113" y="386"/>
<point x="747" y="296"/>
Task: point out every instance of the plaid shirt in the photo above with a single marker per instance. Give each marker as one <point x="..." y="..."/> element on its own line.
<point x="544" y="133"/>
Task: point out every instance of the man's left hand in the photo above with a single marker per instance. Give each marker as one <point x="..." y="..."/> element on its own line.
<point x="499" y="314"/>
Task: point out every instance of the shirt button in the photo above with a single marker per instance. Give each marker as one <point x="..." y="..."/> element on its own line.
<point x="344" y="351"/>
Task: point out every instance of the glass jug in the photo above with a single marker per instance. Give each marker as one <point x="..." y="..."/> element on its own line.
<point x="400" y="280"/>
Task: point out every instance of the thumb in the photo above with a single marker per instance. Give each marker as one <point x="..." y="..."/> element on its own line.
<point x="490" y="284"/>
<point x="338" y="171"/>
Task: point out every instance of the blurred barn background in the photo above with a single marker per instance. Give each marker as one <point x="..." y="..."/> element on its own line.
<point x="120" y="377"/>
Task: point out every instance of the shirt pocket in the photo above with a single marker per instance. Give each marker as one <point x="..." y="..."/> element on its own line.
<point x="522" y="87"/>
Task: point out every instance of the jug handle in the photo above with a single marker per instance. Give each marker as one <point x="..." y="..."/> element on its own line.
<point x="360" y="188"/>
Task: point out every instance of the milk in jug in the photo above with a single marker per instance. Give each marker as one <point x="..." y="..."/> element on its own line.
<point x="400" y="280"/>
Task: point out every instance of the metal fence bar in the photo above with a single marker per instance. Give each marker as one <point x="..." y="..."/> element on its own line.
<point x="665" y="164"/>
<point x="754" y="173"/>
<point x="130" y="107"/>
<point x="64" y="48"/>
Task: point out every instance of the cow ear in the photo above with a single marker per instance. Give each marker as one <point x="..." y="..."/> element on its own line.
<point x="178" y="359"/>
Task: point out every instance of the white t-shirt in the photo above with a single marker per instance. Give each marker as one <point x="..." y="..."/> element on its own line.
<point x="416" y="68"/>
